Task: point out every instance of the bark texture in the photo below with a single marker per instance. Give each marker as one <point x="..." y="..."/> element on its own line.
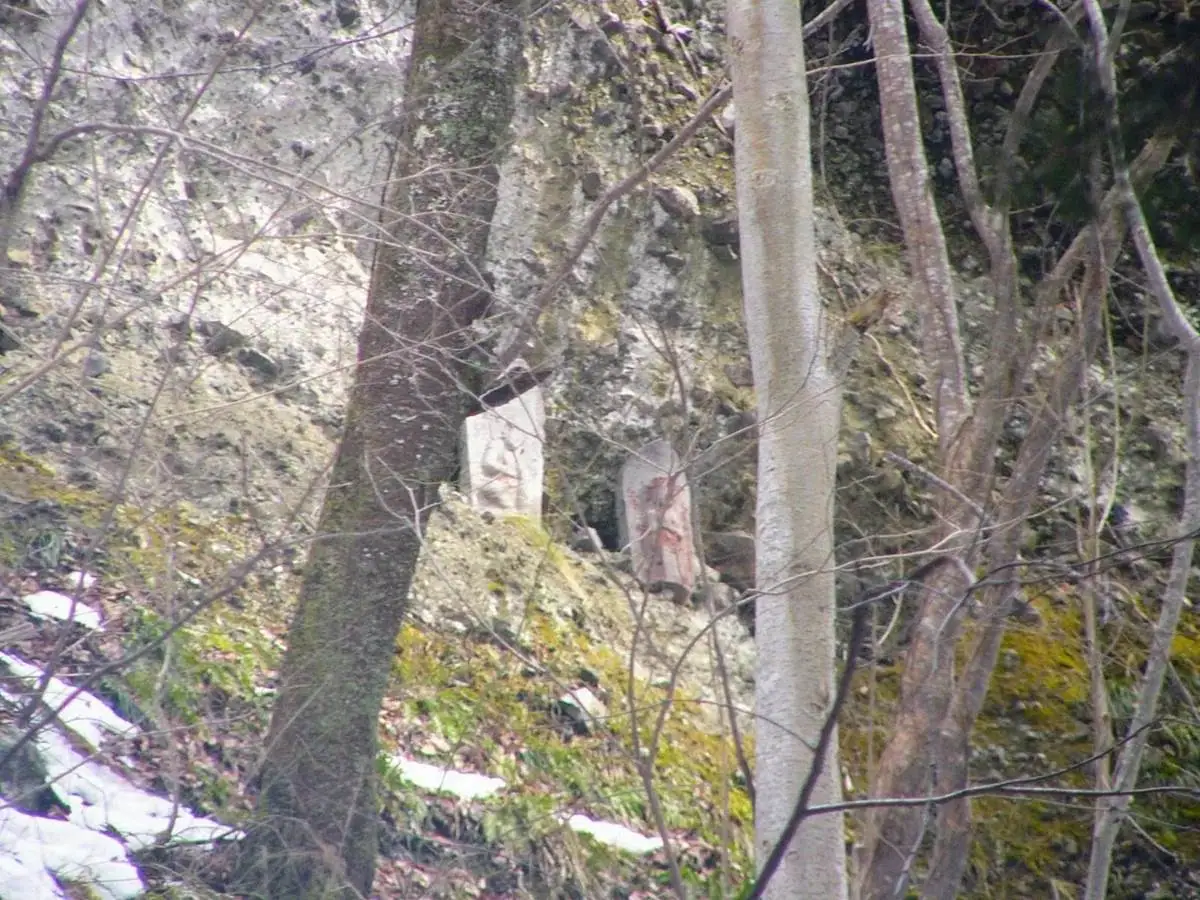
<point x="799" y="410"/>
<point x="316" y="830"/>
<point x="928" y="747"/>
<point x="891" y="837"/>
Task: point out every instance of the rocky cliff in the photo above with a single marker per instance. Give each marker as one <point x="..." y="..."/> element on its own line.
<point x="178" y="320"/>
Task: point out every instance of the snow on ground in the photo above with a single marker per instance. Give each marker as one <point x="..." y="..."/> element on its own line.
<point x="614" y="835"/>
<point x="465" y="785"/>
<point x="471" y="786"/>
<point x="53" y="605"/>
<point x="81" y="581"/>
<point x="102" y="799"/>
<point x="86" y="715"/>
<point x="34" y="851"/>
<point x="37" y="853"/>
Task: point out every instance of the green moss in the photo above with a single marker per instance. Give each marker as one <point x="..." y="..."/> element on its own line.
<point x="42" y="511"/>
<point x="496" y="709"/>
<point x="1024" y="845"/>
<point x="599" y="323"/>
<point x="152" y="547"/>
<point x="162" y="548"/>
<point x="212" y="669"/>
<point x="1036" y="719"/>
<point x="79" y="890"/>
<point x="1046" y="679"/>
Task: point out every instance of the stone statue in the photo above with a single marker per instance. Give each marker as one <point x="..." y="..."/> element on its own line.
<point x="655" y="517"/>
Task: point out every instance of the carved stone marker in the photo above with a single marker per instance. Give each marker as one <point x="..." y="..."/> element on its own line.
<point x="502" y="456"/>
<point x="655" y="518"/>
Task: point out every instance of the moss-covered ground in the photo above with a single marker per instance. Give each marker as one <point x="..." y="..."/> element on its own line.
<point x="506" y="622"/>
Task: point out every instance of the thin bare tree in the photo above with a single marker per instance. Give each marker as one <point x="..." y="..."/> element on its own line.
<point x="979" y="516"/>
<point x="799" y="406"/>
<point x="1111" y="811"/>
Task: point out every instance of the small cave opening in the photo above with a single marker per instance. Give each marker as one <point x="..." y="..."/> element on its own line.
<point x="600" y="513"/>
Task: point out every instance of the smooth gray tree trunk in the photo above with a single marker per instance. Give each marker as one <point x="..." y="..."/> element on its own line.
<point x="799" y="402"/>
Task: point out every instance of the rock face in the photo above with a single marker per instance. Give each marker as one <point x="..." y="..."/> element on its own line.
<point x="239" y="284"/>
<point x="483" y="574"/>
<point x="234" y="227"/>
<point x="656" y="518"/>
<point x="503" y="462"/>
<point x="732" y="554"/>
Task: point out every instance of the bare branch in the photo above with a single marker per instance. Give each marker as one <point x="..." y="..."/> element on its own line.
<point x="824" y="17"/>
<point x="1111" y="812"/>
<point x="14" y="185"/>
<point x="910" y="466"/>
<point x="1023" y="109"/>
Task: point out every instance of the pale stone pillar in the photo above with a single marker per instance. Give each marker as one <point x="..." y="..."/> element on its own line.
<point x="503" y="459"/>
<point x="655" y="518"/>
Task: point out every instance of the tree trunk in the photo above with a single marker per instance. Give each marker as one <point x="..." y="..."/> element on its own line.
<point x="951" y="849"/>
<point x="1111" y="811"/>
<point x="912" y="189"/>
<point x="892" y="836"/>
<point x="927" y="750"/>
<point x="317" y="814"/>
<point x="799" y="411"/>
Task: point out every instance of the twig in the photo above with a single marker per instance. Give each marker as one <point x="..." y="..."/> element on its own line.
<point x="14" y="185"/>
<point x="15" y="634"/>
<point x="824" y="17"/>
<point x="51" y="714"/>
<point x="671" y="357"/>
<point x="1109" y="815"/>
<point x="1023" y="786"/>
<point x="909" y="466"/>
<point x="912" y="403"/>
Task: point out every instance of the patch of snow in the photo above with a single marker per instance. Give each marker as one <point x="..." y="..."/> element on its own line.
<point x="470" y="786"/>
<point x="465" y="785"/>
<point x="81" y="581"/>
<point x="84" y="714"/>
<point x="36" y="853"/>
<point x="32" y="847"/>
<point x="101" y="799"/>
<point x="53" y="605"/>
<point x="614" y="835"/>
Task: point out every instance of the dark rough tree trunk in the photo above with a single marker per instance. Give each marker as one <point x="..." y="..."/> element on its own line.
<point x="315" y="834"/>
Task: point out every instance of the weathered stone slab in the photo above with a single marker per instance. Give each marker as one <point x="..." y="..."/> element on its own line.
<point x="503" y="460"/>
<point x="655" y="518"/>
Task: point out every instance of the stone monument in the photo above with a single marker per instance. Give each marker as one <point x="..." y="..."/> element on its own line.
<point x="655" y="518"/>
<point x="502" y="456"/>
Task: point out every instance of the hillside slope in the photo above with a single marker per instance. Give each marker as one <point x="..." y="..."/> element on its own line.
<point x="176" y="335"/>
